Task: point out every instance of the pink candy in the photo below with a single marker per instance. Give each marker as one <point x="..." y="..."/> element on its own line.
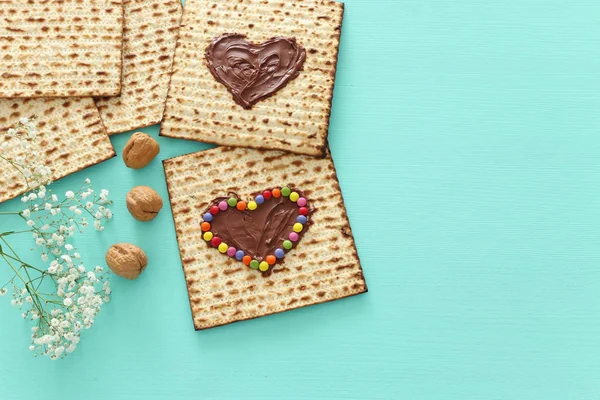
<point x="294" y="237"/>
<point x="301" y="202"/>
<point x="231" y="251"/>
<point x="223" y="206"/>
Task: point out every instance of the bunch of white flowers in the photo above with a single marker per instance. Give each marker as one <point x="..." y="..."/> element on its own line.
<point x="63" y="298"/>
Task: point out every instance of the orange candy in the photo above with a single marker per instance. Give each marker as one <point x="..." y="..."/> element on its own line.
<point x="205" y="226"/>
<point x="271" y="260"/>
<point x="276" y="193"/>
<point x="246" y="260"/>
<point x="241" y="205"/>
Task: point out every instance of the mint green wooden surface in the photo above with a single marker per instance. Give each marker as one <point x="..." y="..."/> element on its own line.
<point x="467" y="139"/>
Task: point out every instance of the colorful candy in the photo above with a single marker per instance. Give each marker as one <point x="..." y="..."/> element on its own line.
<point x="241" y="205"/>
<point x="254" y="264"/>
<point x="247" y="260"/>
<point x="215" y="241"/>
<point x="285" y="191"/>
<point x="223" y="248"/>
<point x="303" y="211"/>
<point x="276" y="193"/>
<point x="239" y="255"/>
<point x="298" y="227"/>
<point x="294" y="196"/>
<point x="208" y="236"/>
<point x="267" y="194"/>
<point x="302" y="219"/>
<point x="252" y="206"/>
<point x="214" y="210"/>
<point x="263" y="266"/>
<point x="270" y="260"/>
<point x="259" y="199"/>
<point x="223" y="206"/>
<point x="205" y="226"/>
<point x="301" y="202"/>
<point x="287" y="244"/>
<point x="279" y="253"/>
<point x="231" y="251"/>
<point x="207" y="217"/>
<point x="232" y="202"/>
<point x="294" y="237"/>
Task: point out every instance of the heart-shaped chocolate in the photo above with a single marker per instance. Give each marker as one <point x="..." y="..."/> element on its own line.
<point x="253" y="72"/>
<point x="260" y="232"/>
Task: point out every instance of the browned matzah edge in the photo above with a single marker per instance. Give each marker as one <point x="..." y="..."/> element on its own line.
<point x="366" y="289"/>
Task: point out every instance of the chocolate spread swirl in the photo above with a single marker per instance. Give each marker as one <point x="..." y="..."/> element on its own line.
<point x="254" y="72"/>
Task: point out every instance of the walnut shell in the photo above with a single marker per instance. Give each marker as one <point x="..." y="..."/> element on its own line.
<point x="143" y="203"/>
<point x="126" y="260"/>
<point x="140" y="150"/>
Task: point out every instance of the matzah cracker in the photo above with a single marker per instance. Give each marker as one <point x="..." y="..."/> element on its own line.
<point x="71" y="136"/>
<point x="294" y="119"/>
<point x="324" y="265"/>
<point x="60" y="48"/>
<point x="150" y="35"/>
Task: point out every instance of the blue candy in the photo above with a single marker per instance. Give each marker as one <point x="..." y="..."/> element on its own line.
<point x="279" y="253"/>
<point x="259" y="199"/>
<point x="239" y="255"/>
<point x="208" y="217"/>
<point x="302" y="219"/>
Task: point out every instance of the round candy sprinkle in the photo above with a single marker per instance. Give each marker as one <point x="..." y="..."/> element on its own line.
<point x="231" y="251"/>
<point x="298" y="227"/>
<point x="223" y="247"/>
<point x="223" y="206"/>
<point x="205" y="226"/>
<point x="259" y="199"/>
<point x="294" y="237"/>
<point x="246" y="260"/>
<point x="241" y="205"/>
<point x="252" y="206"/>
<point x="239" y="255"/>
<point x="214" y="210"/>
<point x="302" y="219"/>
<point x="263" y="266"/>
<point x="232" y="202"/>
<point x="279" y="253"/>
<point x="303" y="211"/>
<point x="215" y="241"/>
<point x="276" y="193"/>
<point x="267" y="194"/>
<point x="285" y="191"/>
<point x="301" y="202"/>
<point x="208" y="236"/>
<point x="270" y="260"/>
<point x="294" y="196"/>
<point x="208" y="217"/>
<point x="287" y="244"/>
<point x="254" y="264"/>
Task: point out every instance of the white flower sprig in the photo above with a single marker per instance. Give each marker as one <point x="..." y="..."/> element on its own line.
<point x="63" y="298"/>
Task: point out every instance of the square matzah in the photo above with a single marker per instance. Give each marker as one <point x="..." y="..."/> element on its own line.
<point x="296" y="118"/>
<point x="151" y="28"/>
<point x="323" y="267"/>
<point x="71" y="137"/>
<point x="60" y="48"/>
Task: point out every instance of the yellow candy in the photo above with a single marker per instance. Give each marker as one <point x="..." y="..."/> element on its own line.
<point x="298" y="227"/>
<point x="294" y="197"/>
<point x="252" y="206"/>
<point x="263" y="266"/>
<point x="208" y="236"/>
<point x="223" y="248"/>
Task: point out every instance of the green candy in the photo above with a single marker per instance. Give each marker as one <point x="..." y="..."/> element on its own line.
<point x="285" y="192"/>
<point x="287" y="244"/>
<point x="232" y="202"/>
<point x="254" y="264"/>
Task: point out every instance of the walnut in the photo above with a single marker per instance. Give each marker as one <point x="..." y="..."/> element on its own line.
<point x="140" y="150"/>
<point x="126" y="260"/>
<point x="143" y="203"/>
